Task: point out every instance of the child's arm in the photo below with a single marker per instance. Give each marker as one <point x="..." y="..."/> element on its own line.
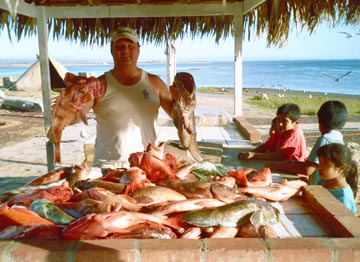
<point x="293" y="167"/>
<point x="248" y="154"/>
<point x="278" y="155"/>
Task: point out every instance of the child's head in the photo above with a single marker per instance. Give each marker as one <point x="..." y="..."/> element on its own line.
<point x="332" y="115"/>
<point x="288" y="116"/>
<point x="274" y="127"/>
<point x="336" y="160"/>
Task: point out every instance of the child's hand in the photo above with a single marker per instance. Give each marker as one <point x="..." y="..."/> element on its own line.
<point x="246" y="155"/>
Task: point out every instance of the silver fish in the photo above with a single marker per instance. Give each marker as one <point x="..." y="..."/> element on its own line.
<point x="183" y="91"/>
<point x="234" y="214"/>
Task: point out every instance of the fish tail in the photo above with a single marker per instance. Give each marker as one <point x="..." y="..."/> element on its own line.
<point x="193" y="149"/>
<point x="57" y="156"/>
<point x="83" y="116"/>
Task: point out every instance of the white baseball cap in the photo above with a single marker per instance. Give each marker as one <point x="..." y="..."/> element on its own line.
<point x="125" y="32"/>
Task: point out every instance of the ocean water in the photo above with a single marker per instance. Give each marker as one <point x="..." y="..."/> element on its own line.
<point x="300" y="75"/>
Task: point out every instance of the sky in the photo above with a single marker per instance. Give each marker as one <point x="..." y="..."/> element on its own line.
<point x="324" y="43"/>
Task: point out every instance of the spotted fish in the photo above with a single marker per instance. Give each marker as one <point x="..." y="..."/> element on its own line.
<point x="72" y="105"/>
<point x="183" y="92"/>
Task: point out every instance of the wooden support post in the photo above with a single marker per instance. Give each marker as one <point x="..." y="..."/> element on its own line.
<point x="238" y="79"/>
<point x="45" y="79"/>
<point x="171" y="60"/>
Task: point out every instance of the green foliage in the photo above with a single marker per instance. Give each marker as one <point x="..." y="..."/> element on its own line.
<point x="308" y="106"/>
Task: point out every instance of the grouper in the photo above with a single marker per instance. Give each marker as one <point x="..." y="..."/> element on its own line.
<point x="234" y="214"/>
<point x="183" y="92"/>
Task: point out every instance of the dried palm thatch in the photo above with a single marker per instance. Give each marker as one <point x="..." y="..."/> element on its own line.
<point x="275" y="18"/>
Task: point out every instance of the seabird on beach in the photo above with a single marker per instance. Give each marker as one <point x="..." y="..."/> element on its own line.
<point x="337" y="79"/>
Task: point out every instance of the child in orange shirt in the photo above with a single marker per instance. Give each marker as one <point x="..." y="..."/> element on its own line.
<point x="286" y="144"/>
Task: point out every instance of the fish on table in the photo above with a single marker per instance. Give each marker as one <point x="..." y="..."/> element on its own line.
<point x="183" y="92"/>
<point x="234" y="214"/>
<point x="126" y="204"/>
<point x="50" y="211"/>
<point x="94" y="226"/>
<point x="276" y="191"/>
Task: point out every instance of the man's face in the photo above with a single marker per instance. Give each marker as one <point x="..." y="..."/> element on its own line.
<point x="125" y="51"/>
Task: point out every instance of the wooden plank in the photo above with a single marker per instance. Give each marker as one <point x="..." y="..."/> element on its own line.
<point x="251" y="4"/>
<point x="18" y="7"/>
<point x="133" y="9"/>
<point x="247" y="129"/>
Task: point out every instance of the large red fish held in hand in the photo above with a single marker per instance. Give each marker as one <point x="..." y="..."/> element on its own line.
<point x="72" y="105"/>
<point x="183" y="93"/>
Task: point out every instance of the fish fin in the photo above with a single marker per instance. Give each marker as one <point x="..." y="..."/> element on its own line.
<point x="50" y="135"/>
<point x="83" y="116"/>
<point x="257" y="219"/>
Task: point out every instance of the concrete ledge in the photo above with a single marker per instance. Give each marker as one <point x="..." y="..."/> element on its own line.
<point x="332" y="212"/>
<point x="247" y="129"/>
<point x="204" y="116"/>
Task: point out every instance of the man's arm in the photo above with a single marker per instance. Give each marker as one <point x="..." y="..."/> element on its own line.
<point x="166" y="101"/>
<point x="102" y="80"/>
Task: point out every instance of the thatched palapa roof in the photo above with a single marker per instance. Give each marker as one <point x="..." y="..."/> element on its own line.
<point x="156" y="20"/>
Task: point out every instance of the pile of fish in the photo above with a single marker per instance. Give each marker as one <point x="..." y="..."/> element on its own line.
<point x="157" y="197"/>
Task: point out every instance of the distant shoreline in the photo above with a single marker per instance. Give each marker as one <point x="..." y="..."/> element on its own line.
<point x="78" y="62"/>
<point x="256" y="91"/>
<point x="263" y="77"/>
<point x="249" y="92"/>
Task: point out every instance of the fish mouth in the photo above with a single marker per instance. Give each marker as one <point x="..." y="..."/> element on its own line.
<point x="187" y="80"/>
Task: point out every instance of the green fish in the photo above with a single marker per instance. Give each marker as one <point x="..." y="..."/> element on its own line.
<point x="206" y="171"/>
<point x="234" y="214"/>
<point x="50" y="211"/>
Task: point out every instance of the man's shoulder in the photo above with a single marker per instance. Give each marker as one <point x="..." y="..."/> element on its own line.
<point x="151" y="76"/>
<point x="155" y="81"/>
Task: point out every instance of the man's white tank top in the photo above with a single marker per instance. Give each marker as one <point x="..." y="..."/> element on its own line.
<point x="126" y="120"/>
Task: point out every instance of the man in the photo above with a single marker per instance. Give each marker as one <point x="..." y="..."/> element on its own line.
<point x="127" y="112"/>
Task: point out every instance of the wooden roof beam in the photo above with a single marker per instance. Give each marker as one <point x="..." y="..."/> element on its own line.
<point x="130" y="10"/>
<point x="135" y="10"/>
<point x="18" y="7"/>
<point x="249" y="5"/>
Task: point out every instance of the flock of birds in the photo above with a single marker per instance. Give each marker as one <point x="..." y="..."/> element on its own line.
<point x="336" y="78"/>
<point x="264" y="96"/>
